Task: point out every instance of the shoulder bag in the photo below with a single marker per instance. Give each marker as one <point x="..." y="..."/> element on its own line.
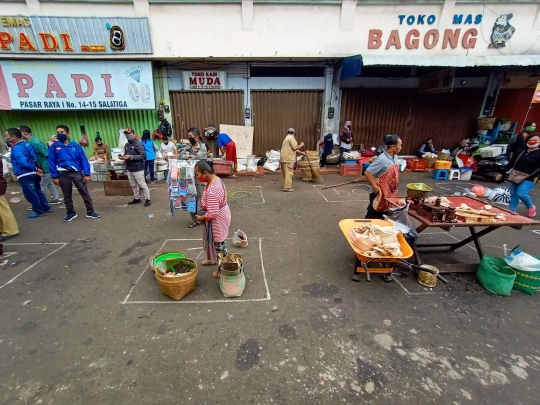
<point x="518" y="177"/>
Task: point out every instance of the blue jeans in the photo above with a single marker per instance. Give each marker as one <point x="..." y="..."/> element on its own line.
<point x="32" y="192"/>
<point x="521" y="192"/>
<point x="149" y="166"/>
<point x="342" y="151"/>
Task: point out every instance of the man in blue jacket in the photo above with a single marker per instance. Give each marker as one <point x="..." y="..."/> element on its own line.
<point x="28" y="172"/>
<point x="69" y="166"/>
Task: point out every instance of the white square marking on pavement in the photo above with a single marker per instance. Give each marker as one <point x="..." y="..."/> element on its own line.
<point x="171" y="301"/>
<point x="340" y="196"/>
<point x="32" y="265"/>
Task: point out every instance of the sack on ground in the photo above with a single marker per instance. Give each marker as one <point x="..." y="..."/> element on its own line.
<point x="240" y="239"/>
<point x="232" y="280"/>
<point x="271" y="165"/>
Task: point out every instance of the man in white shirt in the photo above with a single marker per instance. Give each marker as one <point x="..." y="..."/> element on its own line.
<point x="168" y="149"/>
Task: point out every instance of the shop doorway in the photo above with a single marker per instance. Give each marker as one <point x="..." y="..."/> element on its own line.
<point x="274" y="111"/>
<point x="446" y="117"/>
<point x="200" y="108"/>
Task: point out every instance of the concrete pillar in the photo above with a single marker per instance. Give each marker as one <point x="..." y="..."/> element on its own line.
<point x="348" y="11"/>
<point x="247" y="15"/>
<point x="34" y="7"/>
<point x="328" y="124"/>
<point x="142" y="8"/>
<point x="447" y="15"/>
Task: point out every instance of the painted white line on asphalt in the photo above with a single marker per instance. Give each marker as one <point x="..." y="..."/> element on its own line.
<point x="262" y="198"/>
<point x="36" y="263"/>
<point x="267" y="298"/>
<point x="197" y="302"/>
<point x="145" y="269"/>
<point x="537" y="231"/>
<point x="341" y="194"/>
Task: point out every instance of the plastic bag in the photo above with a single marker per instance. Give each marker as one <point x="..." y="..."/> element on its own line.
<point x="84" y="140"/>
<point x="240" y="239"/>
<point x="496" y="276"/>
<point x="364" y="238"/>
<point x="479" y="190"/>
<point x="522" y="261"/>
<point x="401" y="215"/>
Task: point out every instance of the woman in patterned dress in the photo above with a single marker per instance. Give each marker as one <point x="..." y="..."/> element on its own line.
<point x="217" y="218"/>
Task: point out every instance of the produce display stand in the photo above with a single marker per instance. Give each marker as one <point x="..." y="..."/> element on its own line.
<point x="512" y="220"/>
<point x="363" y="262"/>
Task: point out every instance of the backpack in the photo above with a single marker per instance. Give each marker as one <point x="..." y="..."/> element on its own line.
<point x="165" y="129"/>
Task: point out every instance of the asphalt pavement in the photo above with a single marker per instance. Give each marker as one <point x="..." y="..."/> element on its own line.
<point x="83" y="320"/>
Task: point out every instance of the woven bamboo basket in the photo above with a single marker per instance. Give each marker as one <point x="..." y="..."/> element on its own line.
<point x="444" y="156"/>
<point x="430" y="162"/>
<point x="177" y="287"/>
<point x="304" y="165"/>
<point x="485" y="123"/>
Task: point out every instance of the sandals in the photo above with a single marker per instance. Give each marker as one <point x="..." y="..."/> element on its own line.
<point x="208" y="263"/>
<point x="194" y="224"/>
<point x="216" y="274"/>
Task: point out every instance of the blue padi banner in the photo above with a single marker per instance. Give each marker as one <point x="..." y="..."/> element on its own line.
<point x="74" y="35"/>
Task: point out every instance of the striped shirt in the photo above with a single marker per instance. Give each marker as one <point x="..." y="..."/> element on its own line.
<point x="214" y="202"/>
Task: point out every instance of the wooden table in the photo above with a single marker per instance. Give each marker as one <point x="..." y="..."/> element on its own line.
<point x="512" y="220"/>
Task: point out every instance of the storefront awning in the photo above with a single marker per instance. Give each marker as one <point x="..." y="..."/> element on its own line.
<point x="453" y="61"/>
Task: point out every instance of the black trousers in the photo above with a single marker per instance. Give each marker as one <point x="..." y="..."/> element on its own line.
<point x="67" y="180"/>
<point x="371" y="213"/>
<point x="323" y="159"/>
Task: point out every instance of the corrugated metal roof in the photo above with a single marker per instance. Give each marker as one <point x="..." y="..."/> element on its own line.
<point x="453" y="61"/>
<point x="107" y="123"/>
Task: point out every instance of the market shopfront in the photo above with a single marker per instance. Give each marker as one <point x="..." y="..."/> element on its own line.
<point x="91" y="96"/>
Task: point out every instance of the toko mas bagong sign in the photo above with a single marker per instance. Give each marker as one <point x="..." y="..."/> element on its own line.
<point x="76" y="85"/>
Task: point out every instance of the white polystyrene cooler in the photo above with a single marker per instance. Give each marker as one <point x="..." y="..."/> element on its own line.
<point x="491" y="151"/>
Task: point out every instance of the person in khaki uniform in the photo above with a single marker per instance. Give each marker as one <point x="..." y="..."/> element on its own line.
<point x="289" y="150"/>
<point x="8" y="225"/>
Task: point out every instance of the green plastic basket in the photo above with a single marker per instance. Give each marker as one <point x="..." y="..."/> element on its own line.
<point x="527" y="281"/>
<point x="161" y="257"/>
<point x="496" y="276"/>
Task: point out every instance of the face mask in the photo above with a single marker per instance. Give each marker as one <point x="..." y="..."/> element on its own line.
<point x="192" y="141"/>
<point x="130" y="138"/>
<point x="202" y="179"/>
<point x="531" y="128"/>
<point x="533" y="145"/>
<point x="61" y="137"/>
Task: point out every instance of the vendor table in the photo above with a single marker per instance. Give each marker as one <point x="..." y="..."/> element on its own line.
<point x="512" y="220"/>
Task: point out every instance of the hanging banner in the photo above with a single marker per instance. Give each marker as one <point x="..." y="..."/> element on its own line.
<point x="440" y="81"/>
<point x="536" y="94"/>
<point x="204" y="80"/>
<point x="76" y="85"/>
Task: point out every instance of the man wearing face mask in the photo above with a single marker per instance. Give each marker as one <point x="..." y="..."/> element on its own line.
<point x="69" y="167"/>
<point x="198" y="149"/>
<point x="383" y="177"/>
<point x="168" y="149"/>
<point x="134" y="156"/>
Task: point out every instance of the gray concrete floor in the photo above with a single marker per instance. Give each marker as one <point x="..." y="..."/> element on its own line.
<point x="83" y="321"/>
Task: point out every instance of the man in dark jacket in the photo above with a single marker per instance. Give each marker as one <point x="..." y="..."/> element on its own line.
<point x="134" y="156"/>
<point x="26" y="168"/>
<point x="69" y="167"/>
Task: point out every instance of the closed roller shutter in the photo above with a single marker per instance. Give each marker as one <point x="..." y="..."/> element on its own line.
<point x="447" y="117"/>
<point x="276" y="111"/>
<point x="200" y="108"/>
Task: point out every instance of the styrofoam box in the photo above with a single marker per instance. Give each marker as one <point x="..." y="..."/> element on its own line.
<point x="491" y="151"/>
<point x="503" y="146"/>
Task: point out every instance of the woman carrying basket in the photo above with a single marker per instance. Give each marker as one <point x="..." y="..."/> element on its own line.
<point x="217" y="218"/>
<point x="524" y="172"/>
